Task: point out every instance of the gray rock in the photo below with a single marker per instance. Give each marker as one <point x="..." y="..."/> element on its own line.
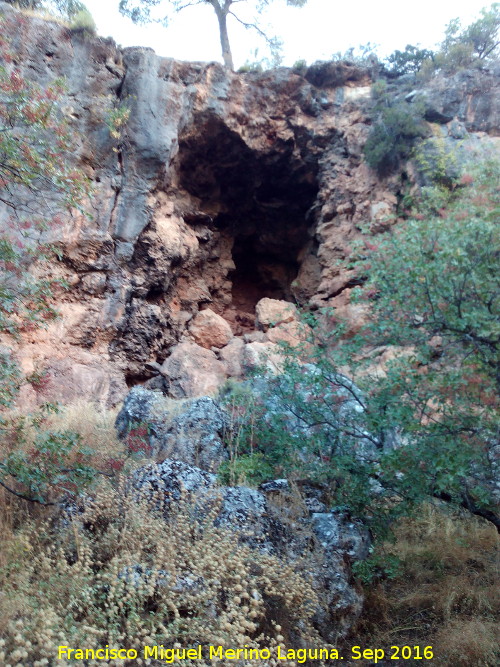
<point x="172" y="478"/>
<point x="471" y="96"/>
<point x="327" y="540"/>
<point x="190" y="431"/>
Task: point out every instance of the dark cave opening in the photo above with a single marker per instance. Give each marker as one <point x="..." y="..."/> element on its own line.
<point x="259" y="198"/>
<point x="257" y="275"/>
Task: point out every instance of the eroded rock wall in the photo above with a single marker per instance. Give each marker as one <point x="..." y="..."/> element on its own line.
<point x="222" y="189"/>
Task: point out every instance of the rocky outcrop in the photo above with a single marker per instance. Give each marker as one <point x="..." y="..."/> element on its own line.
<point x="222" y="189"/>
<point x="276" y="520"/>
<point x="191" y="431"/>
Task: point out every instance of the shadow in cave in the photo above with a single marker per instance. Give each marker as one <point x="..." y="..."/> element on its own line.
<point x="260" y="199"/>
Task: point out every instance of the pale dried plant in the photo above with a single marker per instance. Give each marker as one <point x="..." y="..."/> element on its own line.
<point x="130" y="571"/>
<point x="446" y="594"/>
<point x="94" y="424"/>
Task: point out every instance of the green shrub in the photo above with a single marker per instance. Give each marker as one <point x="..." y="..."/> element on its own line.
<point x="299" y="66"/>
<point x="423" y="423"/>
<point x="83" y="23"/>
<point x="437" y="161"/>
<point x="393" y="136"/>
<point x="248" y="66"/>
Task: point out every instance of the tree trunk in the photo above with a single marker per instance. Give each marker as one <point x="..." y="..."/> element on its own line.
<point x="224" y="37"/>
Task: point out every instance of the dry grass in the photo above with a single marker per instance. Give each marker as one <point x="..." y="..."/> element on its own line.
<point x="118" y="574"/>
<point x="95" y="427"/>
<point x="97" y="431"/>
<point x="44" y="15"/>
<point x="446" y="595"/>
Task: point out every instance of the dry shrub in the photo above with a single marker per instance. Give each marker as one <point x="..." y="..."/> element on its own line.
<point x="469" y="642"/>
<point x="117" y="573"/>
<point x="96" y="427"/>
<point x="446" y="595"/>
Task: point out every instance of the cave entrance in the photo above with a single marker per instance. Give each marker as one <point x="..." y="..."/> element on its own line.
<point x="257" y="275"/>
<point x="260" y="199"/>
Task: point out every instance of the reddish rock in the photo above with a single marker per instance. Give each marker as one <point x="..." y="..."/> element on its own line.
<point x="232" y="356"/>
<point x="192" y="371"/>
<point x="261" y="354"/>
<point x="292" y="333"/>
<point x="210" y="330"/>
<point x="224" y="188"/>
<point x="271" y="312"/>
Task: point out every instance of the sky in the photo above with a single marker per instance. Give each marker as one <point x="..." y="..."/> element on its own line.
<point x="314" y="32"/>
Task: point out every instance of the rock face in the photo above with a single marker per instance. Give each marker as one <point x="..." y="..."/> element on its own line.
<point x="267" y="520"/>
<point x="191" y="431"/>
<point x="222" y="189"/>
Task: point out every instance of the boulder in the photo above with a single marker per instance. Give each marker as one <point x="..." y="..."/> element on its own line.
<point x="279" y="523"/>
<point x="231" y="356"/>
<point x="261" y="354"/>
<point x="210" y="330"/>
<point x="292" y="333"/>
<point x="190" y="431"/>
<point x="271" y="312"/>
<point x="192" y="370"/>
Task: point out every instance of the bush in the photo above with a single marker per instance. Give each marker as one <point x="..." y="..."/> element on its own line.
<point x="83" y="23"/>
<point x="437" y="161"/>
<point x="118" y="574"/>
<point x="300" y="67"/>
<point x="423" y="423"/>
<point x="393" y="136"/>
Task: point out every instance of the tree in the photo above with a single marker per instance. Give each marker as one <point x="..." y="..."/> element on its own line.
<point x="408" y="61"/>
<point x="140" y="11"/>
<point x="423" y="424"/>
<point x="38" y="183"/>
<point x="477" y="44"/>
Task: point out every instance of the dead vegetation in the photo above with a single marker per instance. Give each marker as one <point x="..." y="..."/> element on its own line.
<point x="116" y="573"/>
<point x="446" y="595"/>
<point x="128" y="578"/>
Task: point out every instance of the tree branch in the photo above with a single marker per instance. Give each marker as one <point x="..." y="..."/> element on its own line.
<point x="23" y="497"/>
<point x="252" y="25"/>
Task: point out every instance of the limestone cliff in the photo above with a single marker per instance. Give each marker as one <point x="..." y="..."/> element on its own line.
<point x="222" y="190"/>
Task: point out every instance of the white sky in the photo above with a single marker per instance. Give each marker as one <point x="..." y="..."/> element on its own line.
<point x="315" y="32"/>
